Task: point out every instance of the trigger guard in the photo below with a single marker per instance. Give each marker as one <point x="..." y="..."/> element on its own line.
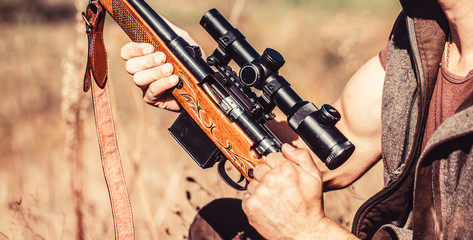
<point x="223" y="174"/>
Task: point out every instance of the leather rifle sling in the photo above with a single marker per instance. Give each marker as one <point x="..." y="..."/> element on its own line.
<point x="96" y="78"/>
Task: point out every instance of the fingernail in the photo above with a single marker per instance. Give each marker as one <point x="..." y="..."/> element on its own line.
<point x="160" y="58"/>
<point x="173" y="80"/>
<point x="167" y="69"/>
<point x="288" y="147"/>
<point x="148" y="50"/>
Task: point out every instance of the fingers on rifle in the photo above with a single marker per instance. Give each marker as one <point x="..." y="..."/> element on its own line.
<point x="273" y="159"/>
<point x="134" y="49"/>
<point x="301" y="157"/>
<point x="155" y="90"/>
<point x="251" y="186"/>
<point x="148" y="76"/>
<point x="260" y="170"/>
<point x="136" y="64"/>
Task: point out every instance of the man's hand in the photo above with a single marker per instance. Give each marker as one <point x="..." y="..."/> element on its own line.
<point x="285" y="199"/>
<point x="151" y="73"/>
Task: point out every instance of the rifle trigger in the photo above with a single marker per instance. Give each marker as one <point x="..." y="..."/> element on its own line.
<point x="223" y="174"/>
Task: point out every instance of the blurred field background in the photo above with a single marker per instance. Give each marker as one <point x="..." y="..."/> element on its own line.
<point x="51" y="182"/>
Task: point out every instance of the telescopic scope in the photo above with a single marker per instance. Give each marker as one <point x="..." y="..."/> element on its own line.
<point x="315" y="126"/>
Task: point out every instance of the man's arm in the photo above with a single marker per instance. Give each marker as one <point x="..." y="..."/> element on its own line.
<point x="360" y="107"/>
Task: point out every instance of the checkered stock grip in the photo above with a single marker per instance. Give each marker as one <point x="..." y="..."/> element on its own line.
<point x="130" y="25"/>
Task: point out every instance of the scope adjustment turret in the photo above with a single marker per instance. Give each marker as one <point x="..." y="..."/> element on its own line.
<point x="272" y="60"/>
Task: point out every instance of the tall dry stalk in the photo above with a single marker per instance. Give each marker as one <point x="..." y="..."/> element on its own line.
<point x="73" y="111"/>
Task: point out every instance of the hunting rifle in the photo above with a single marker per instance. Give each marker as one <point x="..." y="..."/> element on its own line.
<point x="223" y="118"/>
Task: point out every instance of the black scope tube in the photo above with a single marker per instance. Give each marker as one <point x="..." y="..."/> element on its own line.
<point x="229" y="37"/>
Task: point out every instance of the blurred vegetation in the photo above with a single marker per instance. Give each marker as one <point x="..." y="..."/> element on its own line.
<point x="36" y="10"/>
<point x="323" y="42"/>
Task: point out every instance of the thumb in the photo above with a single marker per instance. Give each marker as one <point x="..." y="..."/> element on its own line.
<point x="301" y="157"/>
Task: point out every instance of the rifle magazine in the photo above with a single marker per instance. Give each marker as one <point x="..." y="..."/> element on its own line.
<point x="196" y="143"/>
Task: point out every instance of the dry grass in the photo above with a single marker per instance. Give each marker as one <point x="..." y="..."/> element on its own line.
<point x="50" y="173"/>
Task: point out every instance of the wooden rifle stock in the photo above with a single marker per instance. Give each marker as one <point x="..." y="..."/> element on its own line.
<point x="230" y="139"/>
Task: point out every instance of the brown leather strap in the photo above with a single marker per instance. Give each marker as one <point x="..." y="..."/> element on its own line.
<point x="94" y="17"/>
